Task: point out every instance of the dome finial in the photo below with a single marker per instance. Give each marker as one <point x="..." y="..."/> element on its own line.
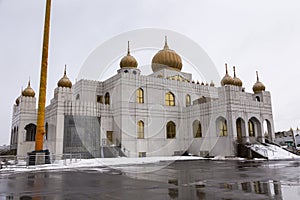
<point x="166" y="43"/>
<point x="29" y="81"/>
<point x="257" y="78"/>
<point x="65" y="72"/>
<point x="128" y="50"/>
<point x="234" y="75"/>
<point x="226" y="68"/>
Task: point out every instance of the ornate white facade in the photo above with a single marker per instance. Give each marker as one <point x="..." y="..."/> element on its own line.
<point x="162" y="114"/>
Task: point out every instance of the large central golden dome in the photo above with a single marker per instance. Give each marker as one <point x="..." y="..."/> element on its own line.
<point x="166" y="59"/>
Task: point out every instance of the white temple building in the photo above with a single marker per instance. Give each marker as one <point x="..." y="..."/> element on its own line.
<point x="162" y="114"/>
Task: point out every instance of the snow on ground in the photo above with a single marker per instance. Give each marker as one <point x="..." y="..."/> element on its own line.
<point x="273" y="152"/>
<point x="96" y="162"/>
<point x="101" y="164"/>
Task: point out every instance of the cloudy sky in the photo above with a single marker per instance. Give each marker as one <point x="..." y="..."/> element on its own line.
<point x="251" y="34"/>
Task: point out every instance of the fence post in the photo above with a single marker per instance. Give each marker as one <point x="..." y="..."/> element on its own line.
<point x="27" y="161"/>
<point x="65" y="160"/>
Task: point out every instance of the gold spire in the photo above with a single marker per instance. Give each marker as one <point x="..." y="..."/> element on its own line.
<point x="65" y="72"/>
<point x="234" y="75"/>
<point x="226" y="68"/>
<point x="166" y="43"/>
<point x="128" y="50"/>
<point x="258" y="86"/>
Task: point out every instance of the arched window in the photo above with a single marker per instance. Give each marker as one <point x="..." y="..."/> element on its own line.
<point x="223" y="128"/>
<point x="197" y="130"/>
<point x="140" y="129"/>
<point x="171" y="130"/>
<point x="30" y="132"/>
<point x="170" y="99"/>
<point x="251" y="129"/>
<point x="257" y="98"/>
<point x="107" y="98"/>
<point x="140" y="95"/>
<point x="77" y="97"/>
<point x="188" y="100"/>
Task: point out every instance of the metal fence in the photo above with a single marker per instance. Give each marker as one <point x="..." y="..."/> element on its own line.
<point x="12" y="161"/>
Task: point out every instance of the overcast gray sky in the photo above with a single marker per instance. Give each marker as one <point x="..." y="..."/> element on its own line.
<point x="250" y="34"/>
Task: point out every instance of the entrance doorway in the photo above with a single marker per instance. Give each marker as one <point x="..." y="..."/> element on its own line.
<point x="240" y="129"/>
<point x="109" y="136"/>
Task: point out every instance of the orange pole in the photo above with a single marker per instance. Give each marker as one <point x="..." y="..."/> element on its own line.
<point x="40" y="131"/>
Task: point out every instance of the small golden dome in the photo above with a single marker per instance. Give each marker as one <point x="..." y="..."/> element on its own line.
<point x="258" y="86"/>
<point x="17" y="101"/>
<point x="28" y="92"/>
<point x="128" y="61"/>
<point x="236" y="80"/>
<point x="166" y="59"/>
<point x="64" y="81"/>
<point x="227" y="79"/>
<point x="212" y="84"/>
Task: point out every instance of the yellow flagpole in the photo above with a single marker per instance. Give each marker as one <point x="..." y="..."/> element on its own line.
<point x="39" y="139"/>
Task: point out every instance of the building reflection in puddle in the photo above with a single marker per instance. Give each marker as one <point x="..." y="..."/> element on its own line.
<point x="270" y="189"/>
<point x="33" y="189"/>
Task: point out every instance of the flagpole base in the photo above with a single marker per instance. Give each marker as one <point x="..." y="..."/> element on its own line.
<point x="39" y="157"/>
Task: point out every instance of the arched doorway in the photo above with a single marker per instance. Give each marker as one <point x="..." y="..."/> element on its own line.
<point x="254" y="129"/>
<point x="267" y="130"/>
<point x="240" y="130"/>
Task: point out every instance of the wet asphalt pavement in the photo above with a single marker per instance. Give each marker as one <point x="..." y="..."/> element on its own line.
<point x="202" y="179"/>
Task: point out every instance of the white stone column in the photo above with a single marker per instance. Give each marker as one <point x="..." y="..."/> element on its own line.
<point x="247" y="139"/>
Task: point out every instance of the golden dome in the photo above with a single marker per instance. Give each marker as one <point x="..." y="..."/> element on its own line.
<point x="227" y="79"/>
<point x="236" y="80"/>
<point x="258" y="86"/>
<point x="64" y="81"/>
<point x="128" y="61"/>
<point x="28" y="92"/>
<point x="166" y="59"/>
<point x="212" y="84"/>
